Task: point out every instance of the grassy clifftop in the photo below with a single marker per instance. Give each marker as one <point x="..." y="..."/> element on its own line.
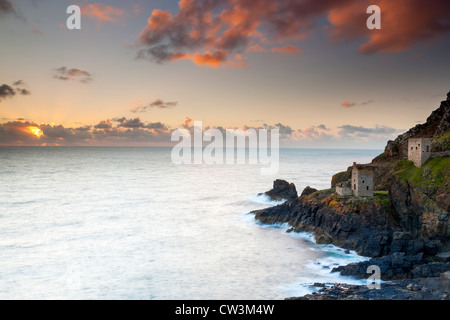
<point x="433" y="177"/>
<point x="419" y="198"/>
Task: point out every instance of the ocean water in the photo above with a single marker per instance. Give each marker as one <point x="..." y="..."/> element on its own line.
<point x="126" y="223"/>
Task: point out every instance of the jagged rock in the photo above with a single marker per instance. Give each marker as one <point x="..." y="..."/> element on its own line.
<point x="417" y="289"/>
<point x="308" y="190"/>
<point x="282" y="190"/>
<point x="443" y="256"/>
<point x="395" y="266"/>
<point x="399" y="235"/>
<point x="433" y="269"/>
<point x="430" y="248"/>
<point x="366" y="228"/>
<point x="397" y="259"/>
<point x="341" y="177"/>
<point x="323" y="239"/>
<point x="402" y="228"/>
<point x="443" y="201"/>
<point x="436" y="125"/>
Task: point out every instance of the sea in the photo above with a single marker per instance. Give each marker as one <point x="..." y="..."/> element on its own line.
<point x="125" y="223"/>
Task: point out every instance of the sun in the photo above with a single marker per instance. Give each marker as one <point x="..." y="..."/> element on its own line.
<point x="36" y="131"/>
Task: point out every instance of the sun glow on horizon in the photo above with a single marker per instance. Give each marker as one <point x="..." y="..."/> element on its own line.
<point x="36" y="131"/>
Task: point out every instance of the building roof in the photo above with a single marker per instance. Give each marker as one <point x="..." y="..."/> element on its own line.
<point x="364" y="168"/>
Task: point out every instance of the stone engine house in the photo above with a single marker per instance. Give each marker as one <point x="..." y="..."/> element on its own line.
<point x="419" y="150"/>
<point x="361" y="183"/>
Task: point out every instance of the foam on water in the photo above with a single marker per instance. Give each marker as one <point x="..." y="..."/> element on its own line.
<point x="262" y="198"/>
<point x="316" y="270"/>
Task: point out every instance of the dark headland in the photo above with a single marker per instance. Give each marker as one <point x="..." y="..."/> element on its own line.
<point x="403" y="226"/>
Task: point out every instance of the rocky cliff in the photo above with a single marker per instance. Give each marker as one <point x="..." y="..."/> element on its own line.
<point x="361" y="224"/>
<point x="419" y="197"/>
<point x="407" y="219"/>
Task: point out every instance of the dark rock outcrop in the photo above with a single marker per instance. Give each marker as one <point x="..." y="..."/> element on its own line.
<point x="419" y="197"/>
<point x="396" y="266"/>
<point x="436" y="127"/>
<point x="437" y="124"/>
<point x="283" y="190"/>
<point x="341" y="177"/>
<point x="363" y="225"/>
<point x="437" y="288"/>
<point x="404" y="227"/>
<point x="307" y="191"/>
<point x="443" y="256"/>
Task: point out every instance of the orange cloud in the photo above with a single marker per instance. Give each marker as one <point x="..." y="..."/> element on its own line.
<point x="187" y="122"/>
<point x="102" y="13"/>
<point x="288" y="49"/>
<point x="348" y="104"/>
<point x="213" y="33"/>
<point x="210" y="59"/>
<point x="404" y="23"/>
<point x="256" y="48"/>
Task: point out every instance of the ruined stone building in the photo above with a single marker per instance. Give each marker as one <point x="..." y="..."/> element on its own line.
<point x="361" y="183"/>
<point x="419" y="150"/>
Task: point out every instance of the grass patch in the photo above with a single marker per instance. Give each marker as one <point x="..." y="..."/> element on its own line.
<point x="432" y="174"/>
<point x="443" y="142"/>
<point x="385" y="201"/>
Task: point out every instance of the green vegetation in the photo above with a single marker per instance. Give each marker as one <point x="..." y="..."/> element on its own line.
<point x="443" y="142"/>
<point x="384" y="200"/>
<point x="433" y="174"/>
<point x="340" y="177"/>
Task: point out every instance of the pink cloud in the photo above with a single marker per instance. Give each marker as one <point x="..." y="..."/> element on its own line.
<point x="404" y="24"/>
<point x="348" y="104"/>
<point x="288" y="49"/>
<point x="213" y="33"/>
<point x="102" y="13"/>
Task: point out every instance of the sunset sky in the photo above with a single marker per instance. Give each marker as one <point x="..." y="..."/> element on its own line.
<point x="139" y="69"/>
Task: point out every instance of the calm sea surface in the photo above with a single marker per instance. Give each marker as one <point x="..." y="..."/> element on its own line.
<point x="125" y="223"/>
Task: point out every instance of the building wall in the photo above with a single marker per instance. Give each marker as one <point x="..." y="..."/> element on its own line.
<point x="419" y="150"/>
<point x="343" y="191"/>
<point x="362" y="183"/>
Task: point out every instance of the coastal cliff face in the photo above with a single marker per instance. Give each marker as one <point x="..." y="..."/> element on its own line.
<point x="436" y="127"/>
<point x="361" y="224"/>
<point x="419" y="197"/>
<point x="406" y="219"/>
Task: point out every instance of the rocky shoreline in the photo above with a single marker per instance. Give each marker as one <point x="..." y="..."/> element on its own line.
<point x="437" y="288"/>
<point x="411" y="267"/>
<point x="403" y="226"/>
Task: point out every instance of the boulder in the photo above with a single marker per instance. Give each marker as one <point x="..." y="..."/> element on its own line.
<point x="308" y="190"/>
<point x="434" y="269"/>
<point x="283" y="190"/>
<point x="443" y="256"/>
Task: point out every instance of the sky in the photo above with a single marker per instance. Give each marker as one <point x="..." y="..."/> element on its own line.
<point x="137" y="70"/>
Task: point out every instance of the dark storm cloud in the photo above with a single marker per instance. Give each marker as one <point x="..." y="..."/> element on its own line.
<point x="6" y="7"/>
<point x="7" y="91"/>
